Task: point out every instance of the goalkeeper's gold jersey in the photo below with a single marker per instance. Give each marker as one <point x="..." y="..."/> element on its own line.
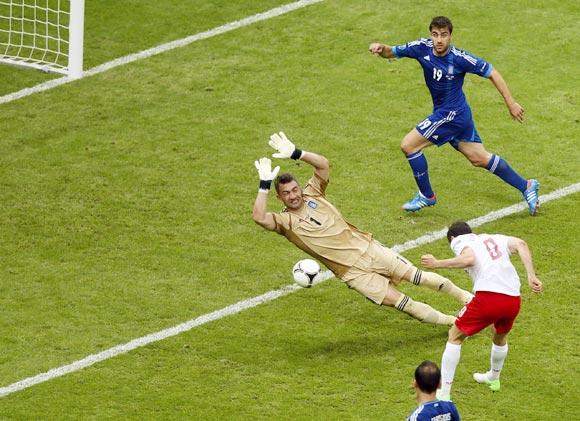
<point x="320" y="230"/>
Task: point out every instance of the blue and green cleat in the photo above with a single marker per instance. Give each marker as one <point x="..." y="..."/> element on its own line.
<point x="531" y="196"/>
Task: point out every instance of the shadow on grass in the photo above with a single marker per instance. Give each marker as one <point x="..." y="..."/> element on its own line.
<point x="402" y="342"/>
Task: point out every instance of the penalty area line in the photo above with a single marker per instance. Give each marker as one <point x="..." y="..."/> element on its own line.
<point x="255" y="301"/>
<point x="277" y="11"/>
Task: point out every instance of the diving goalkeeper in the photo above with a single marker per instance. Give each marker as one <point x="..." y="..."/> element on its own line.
<point x="314" y="225"/>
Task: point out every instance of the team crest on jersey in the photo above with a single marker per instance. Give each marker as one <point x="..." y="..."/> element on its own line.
<point x="449" y="74"/>
<point x="312" y="204"/>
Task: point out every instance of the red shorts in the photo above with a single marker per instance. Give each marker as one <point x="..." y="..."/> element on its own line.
<point x="488" y="308"/>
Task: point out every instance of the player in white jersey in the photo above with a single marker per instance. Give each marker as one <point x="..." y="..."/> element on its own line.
<point x="496" y="285"/>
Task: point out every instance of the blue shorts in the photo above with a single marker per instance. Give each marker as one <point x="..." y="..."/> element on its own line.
<point x="451" y="126"/>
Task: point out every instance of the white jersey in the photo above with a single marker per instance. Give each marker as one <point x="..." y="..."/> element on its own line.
<point x="493" y="271"/>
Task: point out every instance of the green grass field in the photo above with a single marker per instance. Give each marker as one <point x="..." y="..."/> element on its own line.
<point x="126" y="204"/>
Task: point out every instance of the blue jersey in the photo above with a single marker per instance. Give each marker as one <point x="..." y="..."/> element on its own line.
<point x="435" y="411"/>
<point x="444" y="75"/>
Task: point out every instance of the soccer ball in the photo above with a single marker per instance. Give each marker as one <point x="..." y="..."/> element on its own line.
<point x="305" y="272"/>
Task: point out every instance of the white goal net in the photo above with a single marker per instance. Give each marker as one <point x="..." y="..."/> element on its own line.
<point x="43" y="34"/>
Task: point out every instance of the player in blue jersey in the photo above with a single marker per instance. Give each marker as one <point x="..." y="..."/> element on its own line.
<point x="444" y="69"/>
<point x="427" y="380"/>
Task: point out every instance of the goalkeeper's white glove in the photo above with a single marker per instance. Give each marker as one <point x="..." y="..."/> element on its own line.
<point x="284" y="146"/>
<point x="266" y="173"/>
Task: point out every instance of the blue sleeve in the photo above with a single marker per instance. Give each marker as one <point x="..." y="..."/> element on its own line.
<point x="412" y="49"/>
<point x="469" y="63"/>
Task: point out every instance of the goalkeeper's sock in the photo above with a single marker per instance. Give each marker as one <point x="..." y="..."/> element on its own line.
<point x="439" y="283"/>
<point x="498" y="356"/>
<point x="499" y="166"/>
<point x="449" y="362"/>
<point x="418" y="164"/>
<point x="422" y="312"/>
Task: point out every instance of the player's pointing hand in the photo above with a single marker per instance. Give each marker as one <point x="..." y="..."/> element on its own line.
<point x="376" y="48"/>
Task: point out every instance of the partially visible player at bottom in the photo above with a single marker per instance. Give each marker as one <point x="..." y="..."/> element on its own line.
<point x="427" y="381"/>
<point x="314" y="225"/>
<point x="496" y="301"/>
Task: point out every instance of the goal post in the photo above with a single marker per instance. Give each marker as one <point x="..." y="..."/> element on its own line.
<point x="76" y="38"/>
<point x="43" y="34"/>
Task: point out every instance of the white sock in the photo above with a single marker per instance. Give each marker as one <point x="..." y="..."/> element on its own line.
<point x="498" y="356"/>
<point x="449" y="362"/>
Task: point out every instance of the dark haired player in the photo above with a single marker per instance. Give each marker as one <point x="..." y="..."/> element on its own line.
<point x="444" y="68"/>
<point x="427" y="381"/>
<point x="497" y="296"/>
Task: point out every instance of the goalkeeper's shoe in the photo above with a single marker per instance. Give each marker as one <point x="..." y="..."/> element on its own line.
<point x="494" y="385"/>
<point x="419" y="202"/>
<point x="531" y="196"/>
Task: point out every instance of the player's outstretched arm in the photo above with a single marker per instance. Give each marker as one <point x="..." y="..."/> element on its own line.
<point x="515" y="109"/>
<point x="464" y="260"/>
<point x="382" y="50"/>
<point x="259" y="214"/>
<point x="519" y="246"/>
<point x="287" y="149"/>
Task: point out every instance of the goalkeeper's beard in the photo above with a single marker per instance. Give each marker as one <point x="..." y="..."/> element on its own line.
<point x="294" y="203"/>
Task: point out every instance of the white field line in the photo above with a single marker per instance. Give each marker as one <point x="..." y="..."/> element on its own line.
<point x="492" y="216"/>
<point x="277" y="11"/>
<point x="253" y="302"/>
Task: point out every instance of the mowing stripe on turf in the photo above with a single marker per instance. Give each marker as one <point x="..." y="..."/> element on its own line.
<point x="277" y="11"/>
<point x="253" y="302"/>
